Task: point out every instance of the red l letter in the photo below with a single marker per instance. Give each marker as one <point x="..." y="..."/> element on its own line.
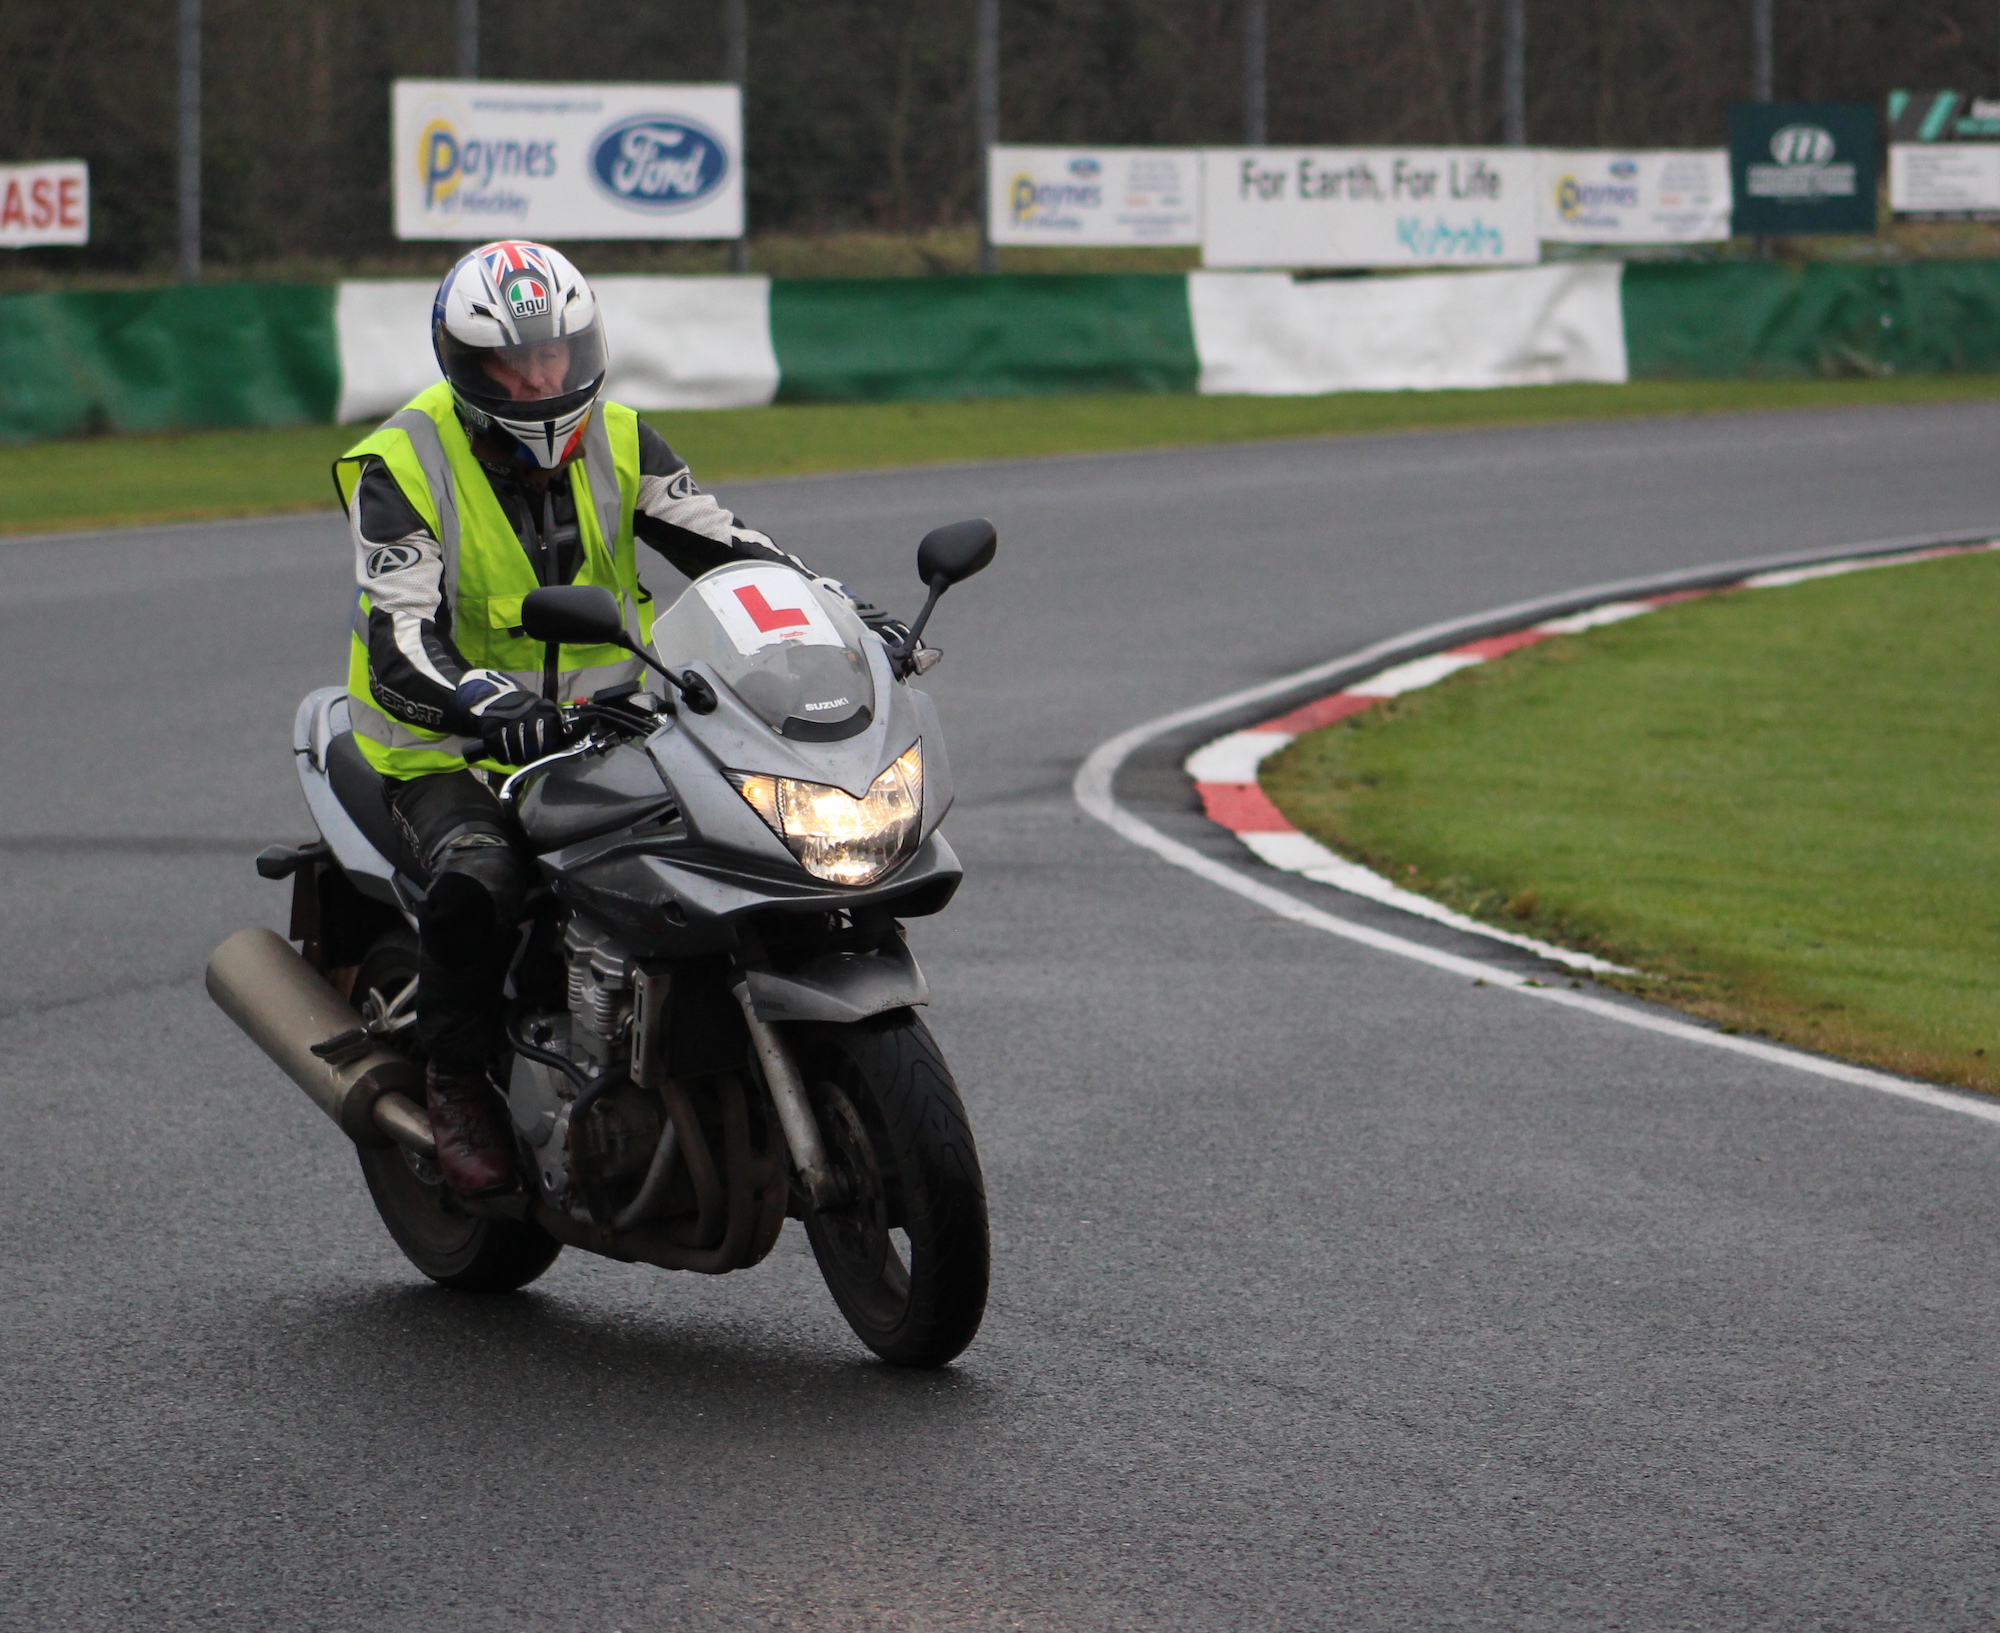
<point x="767" y="617"/>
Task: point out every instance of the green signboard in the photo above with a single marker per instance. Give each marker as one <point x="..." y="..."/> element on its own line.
<point x="1804" y="167"/>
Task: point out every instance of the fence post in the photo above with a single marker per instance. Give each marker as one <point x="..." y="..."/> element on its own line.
<point x="1256" y="119"/>
<point x="190" y="142"/>
<point x="1762" y="73"/>
<point x="986" y="74"/>
<point x="736" y="69"/>
<point x="467" y="38"/>
<point x="1514" y="73"/>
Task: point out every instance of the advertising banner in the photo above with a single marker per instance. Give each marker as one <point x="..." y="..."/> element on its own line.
<point x="1944" y="156"/>
<point x="1666" y="196"/>
<point x="489" y="159"/>
<point x="47" y="203"/>
<point x="1102" y="195"/>
<point x="1804" y="167"/>
<point x="1368" y="207"/>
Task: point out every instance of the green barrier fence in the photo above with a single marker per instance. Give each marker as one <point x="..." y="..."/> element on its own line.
<point x="1751" y="319"/>
<point x="167" y="359"/>
<point x="267" y="354"/>
<point x="897" y="339"/>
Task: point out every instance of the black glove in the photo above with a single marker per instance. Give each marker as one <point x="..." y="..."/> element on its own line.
<point x="892" y="630"/>
<point x="519" y="727"/>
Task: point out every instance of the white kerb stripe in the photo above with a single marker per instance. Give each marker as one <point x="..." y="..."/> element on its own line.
<point x="1612" y="612"/>
<point x="1410" y="677"/>
<point x="1235" y="758"/>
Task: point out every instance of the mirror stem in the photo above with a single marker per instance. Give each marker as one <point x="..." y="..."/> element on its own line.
<point x="695" y="692"/>
<point x="907" y="651"/>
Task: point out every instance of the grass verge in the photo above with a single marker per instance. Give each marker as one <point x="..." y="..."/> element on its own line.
<point x="200" y="476"/>
<point x="1780" y="804"/>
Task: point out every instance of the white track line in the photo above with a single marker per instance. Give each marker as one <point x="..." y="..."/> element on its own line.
<point x="1096" y="778"/>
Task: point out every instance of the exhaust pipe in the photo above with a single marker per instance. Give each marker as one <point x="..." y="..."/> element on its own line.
<point x="288" y="1011"/>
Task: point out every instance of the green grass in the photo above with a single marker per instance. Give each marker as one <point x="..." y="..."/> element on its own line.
<point x="113" y="481"/>
<point x="1781" y="803"/>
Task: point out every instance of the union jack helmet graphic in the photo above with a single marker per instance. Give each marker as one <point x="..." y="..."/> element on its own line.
<point x="517" y="333"/>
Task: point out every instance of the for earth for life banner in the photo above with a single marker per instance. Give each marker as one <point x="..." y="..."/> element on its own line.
<point x="476" y="159"/>
<point x="1101" y="195"/>
<point x="1665" y="196"/>
<point x="1369" y="207"/>
<point x="47" y="203"/>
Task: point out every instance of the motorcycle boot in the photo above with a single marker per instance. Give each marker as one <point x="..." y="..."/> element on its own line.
<point x="474" y="1151"/>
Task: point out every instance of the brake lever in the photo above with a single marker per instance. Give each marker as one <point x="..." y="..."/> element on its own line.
<point x="591" y="741"/>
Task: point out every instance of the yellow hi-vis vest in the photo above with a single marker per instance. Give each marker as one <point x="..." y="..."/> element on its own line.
<point x="487" y="572"/>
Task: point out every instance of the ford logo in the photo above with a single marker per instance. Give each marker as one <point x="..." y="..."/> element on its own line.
<point x="1624" y="169"/>
<point x="1085" y="166"/>
<point x="658" y="161"/>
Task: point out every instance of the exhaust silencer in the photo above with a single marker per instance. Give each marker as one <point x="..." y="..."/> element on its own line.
<point x="281" y="1002"/>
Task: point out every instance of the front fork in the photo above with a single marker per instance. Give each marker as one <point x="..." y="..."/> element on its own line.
<point x="781" y="1077"/>
<point x="788" y="1095"/>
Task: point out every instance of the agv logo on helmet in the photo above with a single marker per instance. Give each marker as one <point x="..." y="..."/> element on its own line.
<point x="527" y="295"/>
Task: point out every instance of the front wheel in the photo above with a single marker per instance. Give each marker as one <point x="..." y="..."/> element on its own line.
<point x="454" y="1249"/>
<point x="907" y="1257"/>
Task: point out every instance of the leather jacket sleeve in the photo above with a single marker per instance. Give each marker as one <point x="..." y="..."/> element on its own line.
<point x="413" y="667"/>
<point x="687" y="526"/>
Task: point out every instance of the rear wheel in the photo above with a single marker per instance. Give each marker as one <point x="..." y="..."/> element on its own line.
<point x="448" y="1245"/>
<point x="907" y="1257"/>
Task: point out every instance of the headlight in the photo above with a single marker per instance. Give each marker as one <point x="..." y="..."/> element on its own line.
<point x="835" y="836"/>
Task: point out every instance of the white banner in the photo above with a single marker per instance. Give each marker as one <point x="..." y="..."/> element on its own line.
<point x="1953" y="177"/>
<point x="1266" y="334"/>
<point x="503" y="159"/>
<point x="46" y="203"/>
<point x="1368" y="207"/>
<point x="674" y="343"/>
<point x="1600" y="196"/>
<point x="1102" y="195"/>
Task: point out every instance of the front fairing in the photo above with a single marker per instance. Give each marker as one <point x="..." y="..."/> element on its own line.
<point x="717" y="859"/>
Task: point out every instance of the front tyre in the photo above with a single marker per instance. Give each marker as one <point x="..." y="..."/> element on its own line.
<point x="451" y="1247"/>
<point x="907" y="1257"/>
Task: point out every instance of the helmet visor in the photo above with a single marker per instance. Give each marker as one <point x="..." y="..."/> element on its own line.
<point x="535" y="380"/>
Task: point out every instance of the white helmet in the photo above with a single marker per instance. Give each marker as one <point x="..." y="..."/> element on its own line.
<point x="516" y="331"/>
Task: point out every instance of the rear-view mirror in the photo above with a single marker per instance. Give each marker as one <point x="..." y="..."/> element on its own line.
<point x="956" y="551"/>
<point x="573" y="615"/>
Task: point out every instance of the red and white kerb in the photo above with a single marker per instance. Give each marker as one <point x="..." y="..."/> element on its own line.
<point x="1225" y="771"/>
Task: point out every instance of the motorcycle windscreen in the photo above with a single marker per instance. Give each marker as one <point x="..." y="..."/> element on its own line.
<point x="789" y="649"/>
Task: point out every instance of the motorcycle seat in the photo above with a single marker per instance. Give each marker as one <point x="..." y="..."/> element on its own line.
<point x="363" y="795"/>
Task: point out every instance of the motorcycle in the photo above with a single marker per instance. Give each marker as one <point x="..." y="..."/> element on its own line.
<point x="711" y="1012"/>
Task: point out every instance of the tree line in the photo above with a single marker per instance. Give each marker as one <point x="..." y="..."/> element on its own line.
<point x="859" y="112"/>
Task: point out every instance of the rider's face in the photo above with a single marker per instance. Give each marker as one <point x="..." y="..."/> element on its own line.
<point x="530" y="375"/>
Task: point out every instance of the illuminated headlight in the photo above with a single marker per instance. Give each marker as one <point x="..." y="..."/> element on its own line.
<point x="839" y="838"/>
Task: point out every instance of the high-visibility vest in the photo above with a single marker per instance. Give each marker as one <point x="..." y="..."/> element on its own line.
<point x="487" y="571"/>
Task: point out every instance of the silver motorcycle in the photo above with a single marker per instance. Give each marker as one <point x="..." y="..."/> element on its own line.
<point x="711" y="1011"/>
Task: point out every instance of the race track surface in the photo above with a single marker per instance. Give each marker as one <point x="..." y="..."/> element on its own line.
<point x="1331" y="1290"/>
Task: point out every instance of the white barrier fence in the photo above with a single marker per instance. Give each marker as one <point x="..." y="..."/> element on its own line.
<point x="1266" y="334"/>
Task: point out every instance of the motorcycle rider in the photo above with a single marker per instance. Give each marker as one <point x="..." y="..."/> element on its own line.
<point x="510" y="473"/>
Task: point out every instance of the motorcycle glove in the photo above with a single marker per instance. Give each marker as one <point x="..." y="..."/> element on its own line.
<point x="516" y="726"/>
<point x="892" y="630"/>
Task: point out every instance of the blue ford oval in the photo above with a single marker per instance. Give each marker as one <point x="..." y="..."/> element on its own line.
<point x="658" y="161"/>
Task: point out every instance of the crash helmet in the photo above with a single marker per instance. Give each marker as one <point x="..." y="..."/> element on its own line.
<point x="519" y="337"/>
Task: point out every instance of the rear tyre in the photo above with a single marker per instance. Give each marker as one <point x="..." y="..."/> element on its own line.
<point x="908" y="1257"/>
<point x="451" y="1247"/>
